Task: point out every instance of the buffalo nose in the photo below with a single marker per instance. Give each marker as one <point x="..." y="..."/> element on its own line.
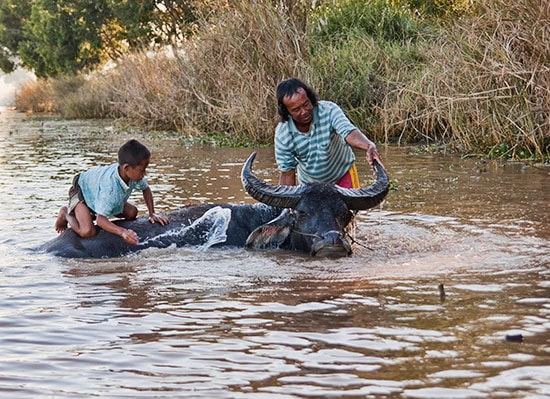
<point x="331" y="244"/>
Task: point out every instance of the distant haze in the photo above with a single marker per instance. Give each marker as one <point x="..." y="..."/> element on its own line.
<point x="9" y="83"/>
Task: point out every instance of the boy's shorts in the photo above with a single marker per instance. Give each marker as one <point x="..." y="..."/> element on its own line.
<point x="76" y="197"/>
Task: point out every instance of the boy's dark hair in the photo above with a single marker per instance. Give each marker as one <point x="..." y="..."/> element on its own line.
<point x="287" y="88"/>
<point x="133" y="153"/>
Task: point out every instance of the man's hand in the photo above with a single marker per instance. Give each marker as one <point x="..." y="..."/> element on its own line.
<point x="372" y="154"/>
<point x="358" y="140"/>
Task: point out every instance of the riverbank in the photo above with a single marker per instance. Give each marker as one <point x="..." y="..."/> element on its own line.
<point x="476" y="82"/>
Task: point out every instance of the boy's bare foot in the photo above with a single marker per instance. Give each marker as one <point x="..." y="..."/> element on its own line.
<point x="61" y="221"/>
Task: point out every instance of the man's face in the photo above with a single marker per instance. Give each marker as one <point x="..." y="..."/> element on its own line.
<point x="299" y="107"/>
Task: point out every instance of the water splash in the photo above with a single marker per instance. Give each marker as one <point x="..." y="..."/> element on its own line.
<point x="219" y="219"/>
<point x="206" y="231"/>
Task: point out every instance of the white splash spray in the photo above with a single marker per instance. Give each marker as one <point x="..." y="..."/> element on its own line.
<point x="212" y="228"/>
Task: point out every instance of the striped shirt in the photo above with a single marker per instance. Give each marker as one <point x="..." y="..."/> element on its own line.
<point x="322" y="154"/>
<point x="104" y="190"/>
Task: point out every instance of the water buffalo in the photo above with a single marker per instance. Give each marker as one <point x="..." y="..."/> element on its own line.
<point x="309" y="217"/>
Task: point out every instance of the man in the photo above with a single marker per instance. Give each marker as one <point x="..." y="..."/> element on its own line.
<point x="314" y="139"/>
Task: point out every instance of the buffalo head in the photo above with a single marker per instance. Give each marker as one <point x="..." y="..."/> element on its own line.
<point x="316" y="215"/>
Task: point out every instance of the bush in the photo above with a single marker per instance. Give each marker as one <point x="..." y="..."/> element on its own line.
<point x="378" y="19"/>
<point x="35" y="96"/>
<point x="358" y="51"/>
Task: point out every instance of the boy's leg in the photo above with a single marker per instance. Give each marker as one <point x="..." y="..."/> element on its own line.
<point x="61" y="223"/>
<point x="81" y="221"/>
<point x="75" y="197"/>
<point x="129" y="212"/>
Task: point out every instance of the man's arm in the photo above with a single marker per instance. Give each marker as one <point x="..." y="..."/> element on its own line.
<point x="288" y="178"/>
<point x="358" y="140"/>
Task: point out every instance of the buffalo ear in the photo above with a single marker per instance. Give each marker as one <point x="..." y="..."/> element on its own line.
<point x="272" y="234"/>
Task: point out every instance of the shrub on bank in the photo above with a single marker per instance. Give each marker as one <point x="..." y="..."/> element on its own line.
<point x="360" y="50"/>
<point x="70" y="97"/>
<point x="35" y="96"/>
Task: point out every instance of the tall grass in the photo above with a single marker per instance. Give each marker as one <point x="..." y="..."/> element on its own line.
<point x="231" y="71"/>
<point x="381" y="20"/>
<point x="485" y="87"/>
<point x="221" y="81"/>
<point x="35" y="96"/>
<point x="70" y="97"/>
<point x="358" y="48"/>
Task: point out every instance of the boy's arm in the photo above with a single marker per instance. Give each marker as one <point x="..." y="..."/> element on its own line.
<point x="148" y="198"/>
<point x="127" y="235"/>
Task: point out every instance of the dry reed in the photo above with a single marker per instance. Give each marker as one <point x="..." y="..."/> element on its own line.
<point x="486" y="86"/>
<point x="221" y="81"/>
<point x="35" y="96"/>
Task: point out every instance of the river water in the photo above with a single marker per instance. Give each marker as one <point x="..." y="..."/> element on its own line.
<point x="231" y="323"/>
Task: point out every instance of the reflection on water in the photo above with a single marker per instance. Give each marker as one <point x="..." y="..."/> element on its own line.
<point x="233" y="323"/>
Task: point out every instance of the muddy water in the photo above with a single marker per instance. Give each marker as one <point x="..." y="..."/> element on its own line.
<point x="186" y="323"/>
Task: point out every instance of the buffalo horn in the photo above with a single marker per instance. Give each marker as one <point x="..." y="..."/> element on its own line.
<point x="278" y="196"/>
<point x="367" y="197"/>
<point x="289" y="196"/>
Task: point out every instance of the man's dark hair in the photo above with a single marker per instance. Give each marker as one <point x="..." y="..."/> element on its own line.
<point x="133" y="153"/>
<point x="287" y="88"/>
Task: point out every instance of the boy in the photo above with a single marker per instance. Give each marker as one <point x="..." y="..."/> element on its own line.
<point x="103" y="192"/>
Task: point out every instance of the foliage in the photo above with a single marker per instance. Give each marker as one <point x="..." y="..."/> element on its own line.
<point x="55" y="38"/>
<point x="356" y="47"/>
<point x="222" y="139"/>
<point x="376" y="19"/>
<point x="12" y="16"/>
<point x="485" y="85"/>
<point x="439" y="9"/>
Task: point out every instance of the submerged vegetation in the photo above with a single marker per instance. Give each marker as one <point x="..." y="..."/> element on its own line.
<point x="472" y="79"/>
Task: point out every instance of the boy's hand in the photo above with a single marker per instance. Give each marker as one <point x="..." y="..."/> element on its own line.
<point x="154" y="218"/>
<point x="130" y="237"/>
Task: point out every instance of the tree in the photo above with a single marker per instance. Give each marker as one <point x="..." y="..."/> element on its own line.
<point x="13" y="13"/>
<point x="64" y="37"/>
<point x="52" y="37"/>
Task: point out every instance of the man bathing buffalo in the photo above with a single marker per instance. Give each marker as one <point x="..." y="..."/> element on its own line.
<point x="313" y="148"/>
<point x="314" y="139"/>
